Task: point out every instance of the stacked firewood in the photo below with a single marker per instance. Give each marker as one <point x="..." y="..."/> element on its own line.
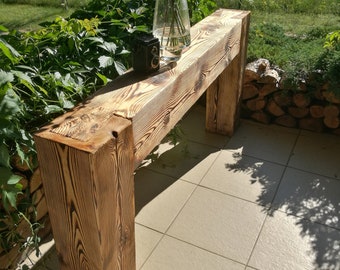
<point x="268" y="98"/>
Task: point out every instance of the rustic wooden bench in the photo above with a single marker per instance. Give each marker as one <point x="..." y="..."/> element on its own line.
<point x="88" y="156"/>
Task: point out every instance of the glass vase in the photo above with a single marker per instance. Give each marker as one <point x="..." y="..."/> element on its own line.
<point x="171" y="25"/>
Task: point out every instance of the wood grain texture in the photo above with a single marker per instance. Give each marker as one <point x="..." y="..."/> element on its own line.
<point x="154" y="104"/>
<point x="90" y="198"/>
<point x="223" y="96"/>
<point x="87" y="156"/>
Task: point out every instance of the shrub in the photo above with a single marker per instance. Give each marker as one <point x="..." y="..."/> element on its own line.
<point x="44" y="73"/>
<point x="200" y="9"/>
<point x="329" y="62"/>
<point x="298" y="56"/>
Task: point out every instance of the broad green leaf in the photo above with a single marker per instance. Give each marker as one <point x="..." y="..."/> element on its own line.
<point x="22" y="76"/>
<point x="68" y="104"/>
<point x="3" y="28"/>
<point x="9" y="198"/>
<point x="27" y="68"/>
<point x="10" y="187"/>
<point x="71" y="44"/>
<point x="57" y="75"/>
<point x="63" y="99"/>
<point x="119" y="67"/>
<point x="27" y="141"/>
<point x="3" y="90"/>
<point x="118" y="22"/>
<point x="20" y="152"/>
<point x="10" y="104"/>
<point x="105" y="61"/>
<point x="24" y="79"/>
<point x="141" y="28"/>
<point x="4" y="199"/>
<point x="141" y="10"/>
<point x="42" y="90"/>
<point x="109" y="46"/>
<point x="11" y="53"/>
<point x="124" y="52"/>
<point x="53" y="109"/>
<point x="73" y="63"/>
<point x="13" y="179"/>
<point x="51" y="51"/>
<point x="4" y="156"/>
<point x="5" y="77"/>
<point x="24" y="135"/>
<point x="103" y="78"/>
<point x="134" y="15"/>
<point x="96" y="39"/>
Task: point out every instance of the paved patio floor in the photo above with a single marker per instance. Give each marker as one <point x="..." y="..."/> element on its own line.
<point x="268" y="199"/>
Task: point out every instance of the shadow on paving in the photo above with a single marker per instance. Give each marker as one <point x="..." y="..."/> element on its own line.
<point x="314" y="199"/>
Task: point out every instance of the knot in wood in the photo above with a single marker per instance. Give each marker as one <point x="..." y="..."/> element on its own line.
<point x="166" y="118"/>
<point x="199" y="81"/>
<point x="85" y="118"/>
<point x="227" y="47"/>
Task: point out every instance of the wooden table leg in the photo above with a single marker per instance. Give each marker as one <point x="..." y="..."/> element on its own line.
<point x="90" y="198"/>
<point x="223" y="95"/>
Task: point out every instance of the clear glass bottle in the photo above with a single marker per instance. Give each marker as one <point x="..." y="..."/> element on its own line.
<point x="171" y="25"/>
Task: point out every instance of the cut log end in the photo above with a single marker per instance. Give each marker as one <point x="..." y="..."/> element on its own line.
<point x="298" y="112"/>
<point x="274" y="109"/>
<point x="301" y="100"/>
<point x="256" y="104"/>
<point x="286" y="121"/>
<point x="268" y="96"/>
<point x="331" y="111"/>
<point x="249" y="91"/>
<point x="316" y="111"/>
<point x="332" y="122"/>
<point x="261" y="117"/>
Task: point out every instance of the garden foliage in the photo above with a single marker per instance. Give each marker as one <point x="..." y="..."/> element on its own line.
<point x="46" y="72"/>
<point x="329" y="62"/>
<point x="289" y="6"/>
<point x="300" y="56"/>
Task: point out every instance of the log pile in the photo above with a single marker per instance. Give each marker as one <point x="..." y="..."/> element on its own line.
<point x="268" y="98"/>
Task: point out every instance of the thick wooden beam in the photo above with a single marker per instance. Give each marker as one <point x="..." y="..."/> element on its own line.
<point x="90" y="197"/>
<point x="223" y="95"/>
<point x="156" y="103"/>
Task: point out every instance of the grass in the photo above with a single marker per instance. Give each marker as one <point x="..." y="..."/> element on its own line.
<point x="26" y="15"/>
<point x="297" y="24"/>
<point x="306" y="31"/>
<point x="301" y="40"/>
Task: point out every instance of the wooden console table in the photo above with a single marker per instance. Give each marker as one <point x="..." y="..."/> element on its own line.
<point x="88" y="156"/>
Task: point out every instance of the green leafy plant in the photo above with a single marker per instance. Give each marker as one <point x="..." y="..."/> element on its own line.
<point x="329" y="62"/>
<point x="43" y="74"/>
<point x="200" y="9"/>
<point x="333" y="40"/>
<point x="300" y="56"/>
